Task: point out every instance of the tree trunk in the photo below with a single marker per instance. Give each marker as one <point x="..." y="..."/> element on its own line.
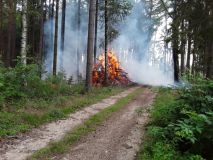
<point x="53" y="8"/>
<point x="106" y="43"/>
<point x="9" y="41"/>
<point x="205" y="55"/>
<point x="209" y="69"/>
<point x="166" y="44"/>
<point x="63" y="25"/>
<point x="55" y="41"/>
<point x="96" y="31"/>
<point x="78" y="37"/>
<point x="189" y="52"/>
<point x="182" y="48"/>
<point x="150" y="33"/>
<point x="209" y="63"/>
<point x="11" y="34"/>
<point x="1" y="29"/>
<point x="49" y="10"/>
<point x="175" y="44"/>
<point x="45" y="10"/>
<point x="24" y="33"/>
<point x="90" y="45"/>
<point x="33" y="44"/>
<point x="41" y="41"/>
<point x="13" y="38"/>
<point x="194" y="56"/>
<point x="52" y="26"/>
<point x="176" y="64"/>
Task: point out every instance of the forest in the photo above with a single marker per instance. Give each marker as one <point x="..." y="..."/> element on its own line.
<point x="134" y="76"/>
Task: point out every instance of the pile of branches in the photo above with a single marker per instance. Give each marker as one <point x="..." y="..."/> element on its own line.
<point x="115" y="74"/>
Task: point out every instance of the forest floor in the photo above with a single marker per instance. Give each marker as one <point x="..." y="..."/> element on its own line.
<point x="117" y="137"/>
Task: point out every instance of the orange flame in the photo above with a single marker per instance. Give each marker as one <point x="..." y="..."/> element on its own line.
<point x="116" y="75"/>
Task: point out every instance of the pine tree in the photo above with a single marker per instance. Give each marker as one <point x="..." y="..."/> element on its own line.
<point x="78" y="38"/>
<point x="1" y="28"/>
<point x="11" y="42"/>
<point x="41" y="39"/>
<point x="96" y="30"/>
<point x="63" y="21"/>
<point x="55" y="54"/>
<point x="90" y="45"/>
<point x="106" y="42"/>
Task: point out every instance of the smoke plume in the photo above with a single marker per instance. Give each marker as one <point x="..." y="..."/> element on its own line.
<point x="142" y="50"/>
<point x="67" y="60"/>
<point x="139" y="47"/>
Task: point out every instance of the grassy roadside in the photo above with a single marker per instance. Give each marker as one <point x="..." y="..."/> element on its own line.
<point x="181" y="126"/>
<point x="158" y="115"/>
<point x="33" y="112"/>
<point x="61" y="147"/>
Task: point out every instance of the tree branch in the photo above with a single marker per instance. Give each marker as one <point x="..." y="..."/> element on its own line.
<point x="166" y="9"/>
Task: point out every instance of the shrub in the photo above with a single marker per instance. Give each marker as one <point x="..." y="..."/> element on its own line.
<point x="182" y="128"/>
<point x="23" y="82"/>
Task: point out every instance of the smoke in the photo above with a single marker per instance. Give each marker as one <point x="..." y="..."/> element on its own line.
<point x="139" y="47"/>
<point x="142" y="52"/>
<point x="74" y="40"/>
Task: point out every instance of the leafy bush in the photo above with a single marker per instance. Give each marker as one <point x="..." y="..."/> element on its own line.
<point x="182" y="128"/>
<point x="24" y="82"/>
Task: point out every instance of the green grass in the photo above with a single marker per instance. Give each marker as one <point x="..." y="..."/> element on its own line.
<point x="160" y="107"/>
<point x="61" y="147"/>
<point x="156" y="145"/>
<point x="29" y="113"/>
<point x="159" y="113"/>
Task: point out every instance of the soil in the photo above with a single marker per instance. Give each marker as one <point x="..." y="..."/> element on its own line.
<point x="119" y="137"/>
<point x="24" y="145"/>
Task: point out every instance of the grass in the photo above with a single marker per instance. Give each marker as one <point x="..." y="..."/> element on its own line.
<point x="159" y="113"/>
<point x="160" y="107"/>
<point x="181" y="125"/>
<point x="62" y="146"/>
<point x="30" y="113"/>
<point x="155" y="147"/>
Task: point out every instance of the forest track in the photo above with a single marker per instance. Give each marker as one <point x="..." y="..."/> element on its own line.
<point x="119" y="137"/>
<point x="25" y="145"/>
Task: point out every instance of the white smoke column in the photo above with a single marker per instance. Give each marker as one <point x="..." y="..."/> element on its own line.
<point x="145" y="64"/>
<point x="67" y="62"/>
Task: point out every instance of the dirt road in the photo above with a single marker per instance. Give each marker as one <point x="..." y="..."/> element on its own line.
<point x="118" y="138"/>
<point x="25" y="145"/>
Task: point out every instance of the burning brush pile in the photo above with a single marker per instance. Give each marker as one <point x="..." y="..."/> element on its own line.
<point x="116" y="75"/>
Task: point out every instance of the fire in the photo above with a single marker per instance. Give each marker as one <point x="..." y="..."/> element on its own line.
<point x="116" y="75"/>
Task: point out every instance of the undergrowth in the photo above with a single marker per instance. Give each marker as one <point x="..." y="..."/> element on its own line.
<point x="27" y="101"/>
<point x="182" y="124"/>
